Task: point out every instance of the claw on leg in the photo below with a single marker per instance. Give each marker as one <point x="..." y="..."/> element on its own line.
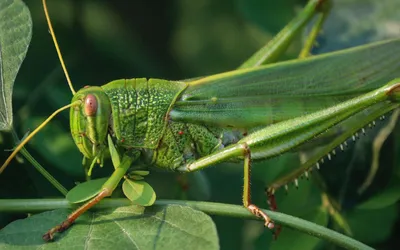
<point x="49" y="236"/>
<point x="259" y="213"/>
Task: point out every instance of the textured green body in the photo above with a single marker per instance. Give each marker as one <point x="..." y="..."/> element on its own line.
<point x="139" y="109"/>
<point x="184" y="142"/>
<point x="139" y="120"/>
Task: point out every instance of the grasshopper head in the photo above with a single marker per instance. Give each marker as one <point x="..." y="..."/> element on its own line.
<point x="89" y="121"/>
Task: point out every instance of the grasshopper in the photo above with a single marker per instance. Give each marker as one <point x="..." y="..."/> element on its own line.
<point x="256" y="112"/>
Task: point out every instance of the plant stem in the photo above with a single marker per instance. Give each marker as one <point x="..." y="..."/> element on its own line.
<point x="40" y="205"/>
<point x="39" y="167"/>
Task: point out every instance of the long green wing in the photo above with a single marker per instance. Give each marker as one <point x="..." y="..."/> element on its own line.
<point x="272" y="93"/>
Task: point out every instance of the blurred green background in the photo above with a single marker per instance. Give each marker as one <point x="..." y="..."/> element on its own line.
<point x="179" y="39"/>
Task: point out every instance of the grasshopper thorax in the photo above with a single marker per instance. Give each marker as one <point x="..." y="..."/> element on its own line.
<point x="89" y="121"/>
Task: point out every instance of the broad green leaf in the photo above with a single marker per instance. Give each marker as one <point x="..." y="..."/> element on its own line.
<point x="139" y="192"/>
<point x="15" y="36"/>
<point x="132" y="227"/>
<point x="373" y="226"/>
<point x="86" y="190"/>
<point x="113" y="152"/>
<point x="386" y="198"/>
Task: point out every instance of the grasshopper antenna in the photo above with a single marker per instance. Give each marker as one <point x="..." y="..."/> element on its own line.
<point x="57" y="48"/>
<point x="19" y="147"/>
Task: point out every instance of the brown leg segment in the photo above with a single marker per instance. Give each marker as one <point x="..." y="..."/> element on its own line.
<point x="272" y="205"/>
<point x="247" y="194"/>
<point x="49" y="236"/>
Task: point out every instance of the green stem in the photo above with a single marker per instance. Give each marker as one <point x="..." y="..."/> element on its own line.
<point x="39" y="205"/>
<point x="316" y="28"/>
<point x="39" y="167"/>
<point x="278" y="45"/>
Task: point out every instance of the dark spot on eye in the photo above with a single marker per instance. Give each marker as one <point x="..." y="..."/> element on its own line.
<point x="90" y="105"/>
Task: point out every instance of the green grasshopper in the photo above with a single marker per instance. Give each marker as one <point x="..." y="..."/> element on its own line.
<point x="254" y="113"/>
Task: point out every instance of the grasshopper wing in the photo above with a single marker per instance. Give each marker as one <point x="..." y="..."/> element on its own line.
<point x="268" y="94"/>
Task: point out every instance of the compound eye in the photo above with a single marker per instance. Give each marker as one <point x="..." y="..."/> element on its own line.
<point x="90" y="105"/>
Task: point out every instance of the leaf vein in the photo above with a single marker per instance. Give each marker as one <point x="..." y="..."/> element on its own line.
<point x="127" y="234"/>
<point x="88" y="238"/>
<point x="181" y="229"/>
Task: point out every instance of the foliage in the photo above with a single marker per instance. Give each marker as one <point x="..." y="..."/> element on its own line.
<point x="14" y="42"/>
<point x="153" y="229"/>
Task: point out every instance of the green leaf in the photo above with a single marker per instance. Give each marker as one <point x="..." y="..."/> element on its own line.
<point x="132" y="227"/>
<point x="139" y="192"/>
<point x="373" y="226"/>
<point x="386" y="198"/>
<point x="113" y="152"/>
<point x="86" y="190"/>
<point x="136" y="177"/>
<point x="140" y="172"/>
<point x="15" y="36"/>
